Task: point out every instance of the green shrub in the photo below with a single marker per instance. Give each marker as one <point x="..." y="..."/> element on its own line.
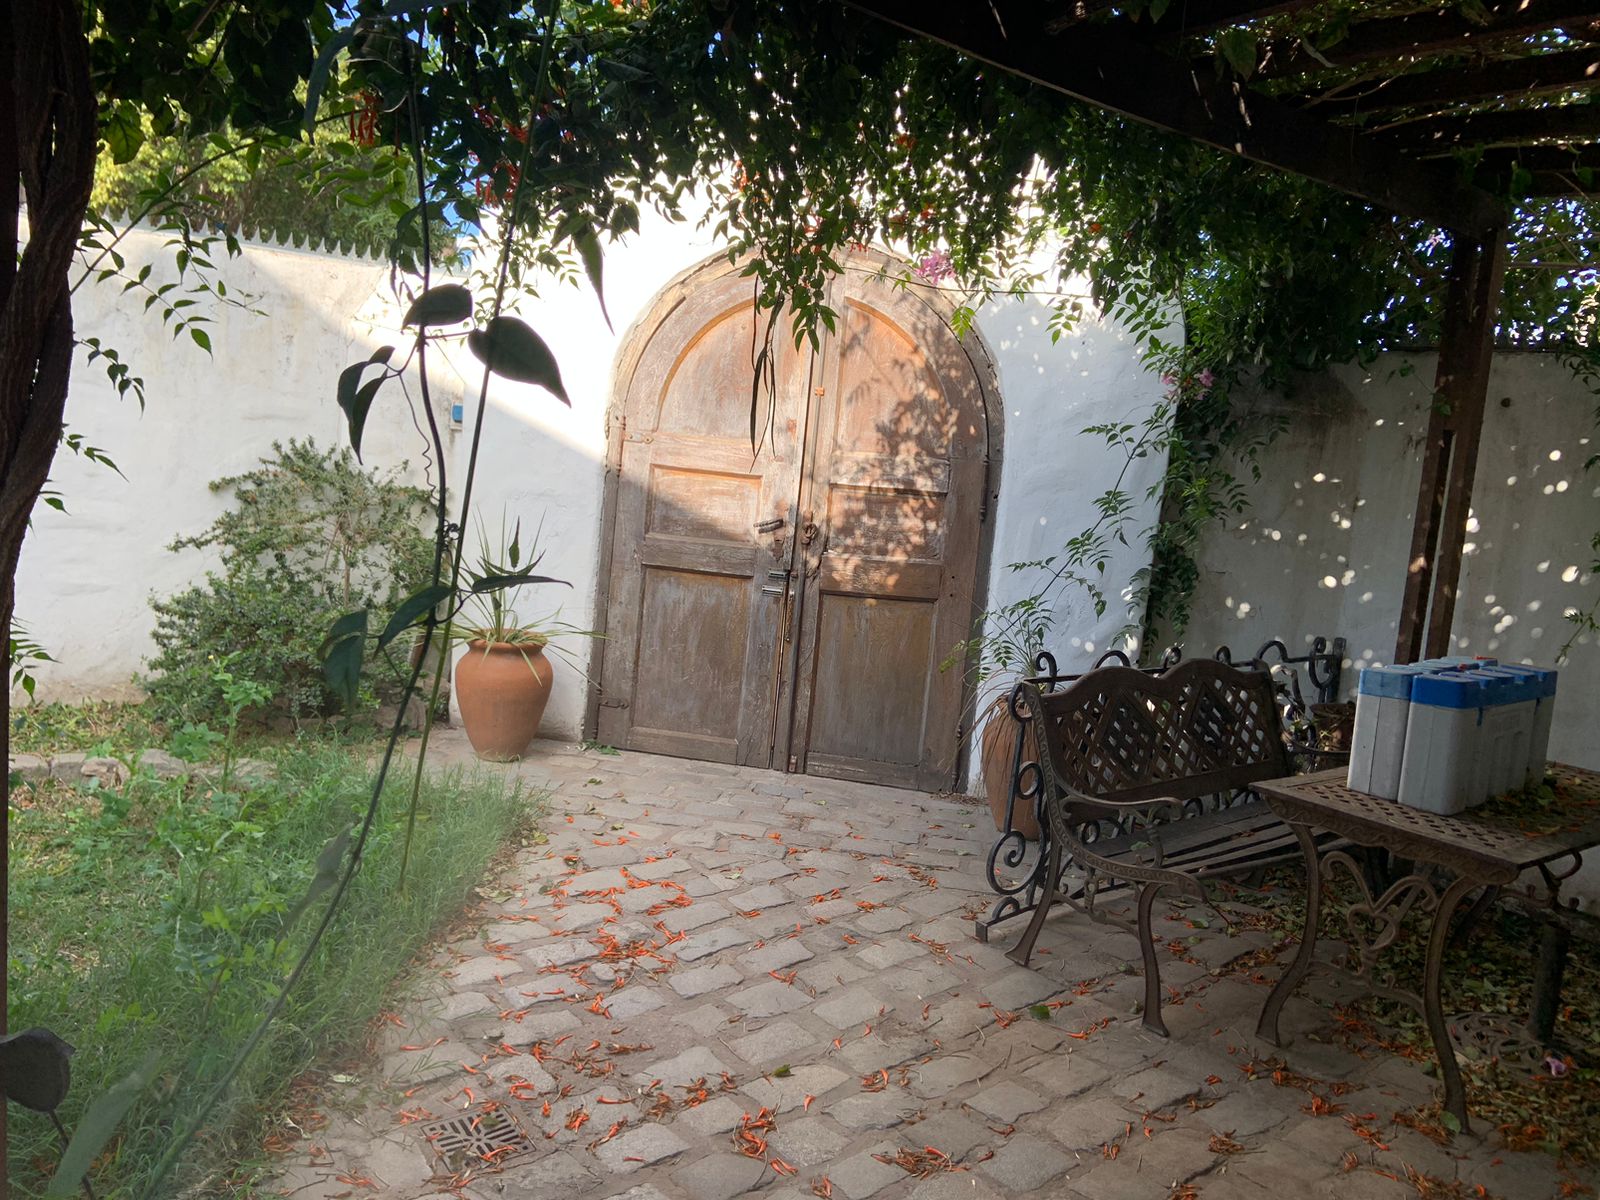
<point x="311" y="535"/>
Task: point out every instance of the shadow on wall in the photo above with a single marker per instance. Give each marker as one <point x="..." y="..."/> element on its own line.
<point x="1324" y="546"/>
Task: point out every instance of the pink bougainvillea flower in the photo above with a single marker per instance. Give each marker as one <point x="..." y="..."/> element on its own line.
<point x="935" y="268"/>
<point x="1206" y="378"/>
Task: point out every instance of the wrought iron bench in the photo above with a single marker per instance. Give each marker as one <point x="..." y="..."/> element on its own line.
<point x="1146" y="783"/>
<point x="1017" y="876"/>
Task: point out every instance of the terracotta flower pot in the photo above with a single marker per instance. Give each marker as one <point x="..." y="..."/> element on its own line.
<point x="996" y="749"/>
<point x="502" y="690"/>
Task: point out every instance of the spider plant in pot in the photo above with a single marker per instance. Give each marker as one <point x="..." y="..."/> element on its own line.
<point x="504" y="679"/>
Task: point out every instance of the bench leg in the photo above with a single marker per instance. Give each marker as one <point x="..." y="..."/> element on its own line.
<point x="1023" y="950"/>
<point x="1152" y="964"/>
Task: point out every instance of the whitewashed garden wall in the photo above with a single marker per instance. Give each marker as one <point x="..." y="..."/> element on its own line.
<point x="86" y="577"/>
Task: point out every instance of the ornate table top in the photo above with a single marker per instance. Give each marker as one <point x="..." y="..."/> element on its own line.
<point x="1494" y="843"/>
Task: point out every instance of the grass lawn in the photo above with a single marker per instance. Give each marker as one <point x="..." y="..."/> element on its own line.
<point x="154" y="917"/>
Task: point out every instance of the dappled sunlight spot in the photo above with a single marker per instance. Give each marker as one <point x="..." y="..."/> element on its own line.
<point x="1534" y="605"/>
<point x="1570" y="575"/>
<point x="1328" y="581"/>
<point x="1469" y="548"/>
<point x="1511" y="481"/>
<point x="1555" y="456"/>
<point x="1366" y="598"/>
<point x="1472" y="525"/>
<point x="1543" y="567"/>
<point x="1319" y="477"/>
<point x="1242" y="609"/>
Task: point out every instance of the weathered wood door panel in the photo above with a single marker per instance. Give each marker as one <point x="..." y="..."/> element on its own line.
<point x="792" y="607"/>
<point x="702" y="527"/>
<point x="893" y="488"/>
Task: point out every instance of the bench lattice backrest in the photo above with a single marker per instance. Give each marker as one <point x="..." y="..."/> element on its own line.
<point x="1202" y="728"/>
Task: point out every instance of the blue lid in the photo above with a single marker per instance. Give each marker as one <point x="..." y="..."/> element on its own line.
<point x="1544" y="677"/>
<point x="1498" y="688"/>
<point x="1457" y="689"/>
<point x="1387" y="681"/>
<point x="1456" y="662"/>
<point x="1520" y="686"/>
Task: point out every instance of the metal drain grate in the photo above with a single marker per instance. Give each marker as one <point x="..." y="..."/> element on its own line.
<point x="477" y="1135"/>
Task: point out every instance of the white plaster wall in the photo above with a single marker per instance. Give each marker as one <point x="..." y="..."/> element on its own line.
<point x="1323" y="549"/>
<point x="1053" y="471"/>
<point x="85" y="579"/>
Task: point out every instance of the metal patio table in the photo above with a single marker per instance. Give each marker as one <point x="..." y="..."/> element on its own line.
<point x="1477" y="849"/>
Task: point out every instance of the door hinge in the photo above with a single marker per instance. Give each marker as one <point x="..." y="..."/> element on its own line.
<point x="613" y="704"/>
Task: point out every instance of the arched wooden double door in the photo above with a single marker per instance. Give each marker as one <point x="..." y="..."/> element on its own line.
<point x="791" y="607"/>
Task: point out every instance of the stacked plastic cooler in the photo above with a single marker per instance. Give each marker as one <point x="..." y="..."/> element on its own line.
<point x="1446" y="734"/>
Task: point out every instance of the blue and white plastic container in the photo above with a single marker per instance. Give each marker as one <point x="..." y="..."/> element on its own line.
<point x="1504" y="730"/>
<point x="1544" y="708"/>
<point x="1441" y="772"/>
<point x="1378" y="742"/>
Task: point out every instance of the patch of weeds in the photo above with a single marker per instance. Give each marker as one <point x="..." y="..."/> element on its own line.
<point x="97" y="727"/>
<point x="162" y="916"/>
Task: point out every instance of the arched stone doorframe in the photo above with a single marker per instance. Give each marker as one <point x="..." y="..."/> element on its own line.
<point x="681" y="289"/>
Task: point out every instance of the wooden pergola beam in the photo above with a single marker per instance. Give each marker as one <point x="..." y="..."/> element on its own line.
<point x="1450" y="449"/>
<point x="1102" y="66"/>
<point x="1568" y="70"/>
<point x="1445" y="134"/>
<point x="1423" y="35"/>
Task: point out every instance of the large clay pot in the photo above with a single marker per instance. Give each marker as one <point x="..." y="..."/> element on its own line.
<point x="997" y="748"/>
<point x="502" y="690"/>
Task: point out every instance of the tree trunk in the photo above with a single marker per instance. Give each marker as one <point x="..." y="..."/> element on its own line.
<point x="47" y="143"/>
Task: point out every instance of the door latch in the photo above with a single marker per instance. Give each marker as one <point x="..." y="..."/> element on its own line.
<point x="777" y="583"/>
<point x="769" y="526"/>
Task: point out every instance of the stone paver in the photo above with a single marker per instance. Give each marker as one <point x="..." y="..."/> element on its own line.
<point x="715" y="982"/>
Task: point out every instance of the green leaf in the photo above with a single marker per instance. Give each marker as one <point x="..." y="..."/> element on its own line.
<point x="446" y="304"/>
<point x="495" y="583"/>
<point x="1449" y="1121"/>
<point x="509" y="346"/>
<point x="1041" y="1012"/>
<point x="324" y="877"/>
<point x="782" y="1072"/>
<point x="342" y="652"/>
<point x="356" y="398"/>
<point x="98" y="1126"/>
<point x="412" y="610"/>
<point x="123" y="132"/>
<point x="1238" y="48"/>
<point x="589" y="252"/>
<point x="322" y="69"/>
<point x="201" y="338"/>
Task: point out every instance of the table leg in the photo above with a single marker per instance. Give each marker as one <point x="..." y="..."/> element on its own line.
<point x="1455" y="1093"/>
<point x="1267" y="1027"/>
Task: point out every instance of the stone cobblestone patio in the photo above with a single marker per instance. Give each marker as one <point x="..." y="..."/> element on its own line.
<point x="718" y="982"/>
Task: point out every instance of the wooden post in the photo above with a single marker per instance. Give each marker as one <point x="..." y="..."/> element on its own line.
<point x="1450" y="450"/>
